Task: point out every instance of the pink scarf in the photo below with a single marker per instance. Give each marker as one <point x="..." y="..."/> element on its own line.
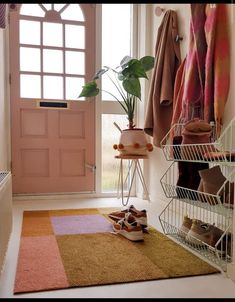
<point x="202" y="81"/>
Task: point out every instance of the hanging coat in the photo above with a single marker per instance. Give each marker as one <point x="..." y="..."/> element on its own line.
<point x="202" y="81"/>
<point x="167" y="60"/>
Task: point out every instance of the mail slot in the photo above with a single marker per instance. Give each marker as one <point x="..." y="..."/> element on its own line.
<point x="53" y="104"/>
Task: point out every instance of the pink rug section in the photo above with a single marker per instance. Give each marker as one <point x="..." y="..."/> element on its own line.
<point x="39" y="265"/>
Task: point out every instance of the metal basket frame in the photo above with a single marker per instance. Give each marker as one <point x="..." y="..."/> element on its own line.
<point x="209" y="208"/>
<point x="171" y="219"/>
<point x="225" y="144"/>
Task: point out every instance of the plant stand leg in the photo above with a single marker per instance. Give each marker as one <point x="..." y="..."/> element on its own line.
<point x="131" y="183"/>
<point x="141" y="176"/>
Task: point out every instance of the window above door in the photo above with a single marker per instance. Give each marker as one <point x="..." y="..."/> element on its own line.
<point x="52" y="51"/>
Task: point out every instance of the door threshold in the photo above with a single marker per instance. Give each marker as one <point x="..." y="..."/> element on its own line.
<point x="70" y="195"/>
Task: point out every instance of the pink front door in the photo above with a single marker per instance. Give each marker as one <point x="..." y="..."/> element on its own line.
<point x="52" y="54"/>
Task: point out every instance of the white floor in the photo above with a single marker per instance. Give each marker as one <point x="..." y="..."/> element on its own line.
<point x="211" y="286"/>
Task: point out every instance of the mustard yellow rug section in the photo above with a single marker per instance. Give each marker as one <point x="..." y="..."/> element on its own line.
<point x="75" y="248"/>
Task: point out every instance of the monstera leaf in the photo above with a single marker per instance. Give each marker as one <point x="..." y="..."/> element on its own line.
<point x="89" y="89"/>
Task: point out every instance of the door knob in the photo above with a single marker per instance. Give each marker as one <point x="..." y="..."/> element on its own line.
<point x="91" y="167"/>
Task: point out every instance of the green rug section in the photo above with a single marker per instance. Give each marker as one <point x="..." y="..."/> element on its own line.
<point x="171" y="258"/>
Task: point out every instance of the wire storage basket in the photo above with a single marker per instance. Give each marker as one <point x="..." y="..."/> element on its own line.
<point x="211" y="237"/>
<point x="220" y="202"/>
<point x="200" y="219"/>
<point x="217" y="150"/>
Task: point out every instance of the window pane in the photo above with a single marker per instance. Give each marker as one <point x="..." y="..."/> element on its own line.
<point x="75" y="62"/>
<point x="47" y="6"/>
<point x="110" y="87"/>
<point x="30" y="86"/>
<point x="52" y="34"/>
<point x="32" y="10"/>
<point x="58" y="7"/>
<point x="110" y="165"/>
<point x="73" y="12"/>
<point x="52" y="87"/>
<point x="30" y="32"/>
<point x="73" y="87"/>
<point x="118" y="44"/>
<point x="75" y="36"/>
<point x="29" y="59"/>
<point x="52" y="60"/>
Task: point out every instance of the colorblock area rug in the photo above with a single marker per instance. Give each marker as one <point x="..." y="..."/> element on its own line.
<point x="74" y="248"/>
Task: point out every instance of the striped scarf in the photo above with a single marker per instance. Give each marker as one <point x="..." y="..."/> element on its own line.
<point x="202" y="81"/>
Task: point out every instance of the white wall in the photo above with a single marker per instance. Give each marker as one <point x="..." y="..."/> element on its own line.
<point x="157" y="163"/>
<point x="4" y="107"/>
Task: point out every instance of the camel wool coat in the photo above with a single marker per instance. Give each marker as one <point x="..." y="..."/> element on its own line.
<point x="167" y="60"/>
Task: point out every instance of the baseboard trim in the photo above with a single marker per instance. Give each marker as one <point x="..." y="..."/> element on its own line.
<point x="71" y="195"/>
<point x="231" y="271"/>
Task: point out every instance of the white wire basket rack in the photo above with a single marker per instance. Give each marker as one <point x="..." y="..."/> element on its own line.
<point x="222" y="202"/>
<point x="218" y="254"/>
<point x="218" y="150"/>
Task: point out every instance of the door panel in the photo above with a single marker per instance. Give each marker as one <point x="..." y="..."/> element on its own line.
<point x="52" y="147"/>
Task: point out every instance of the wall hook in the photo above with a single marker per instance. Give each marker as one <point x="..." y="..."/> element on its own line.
<point x="178" y="38"/>
<point x="12" y="7"/>
<point x="159" y="10"/>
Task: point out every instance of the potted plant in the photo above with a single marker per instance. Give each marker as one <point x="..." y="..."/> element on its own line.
<point x="126" y="80"/>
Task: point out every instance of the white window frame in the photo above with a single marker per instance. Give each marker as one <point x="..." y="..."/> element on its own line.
<point x="108" y="107"/>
